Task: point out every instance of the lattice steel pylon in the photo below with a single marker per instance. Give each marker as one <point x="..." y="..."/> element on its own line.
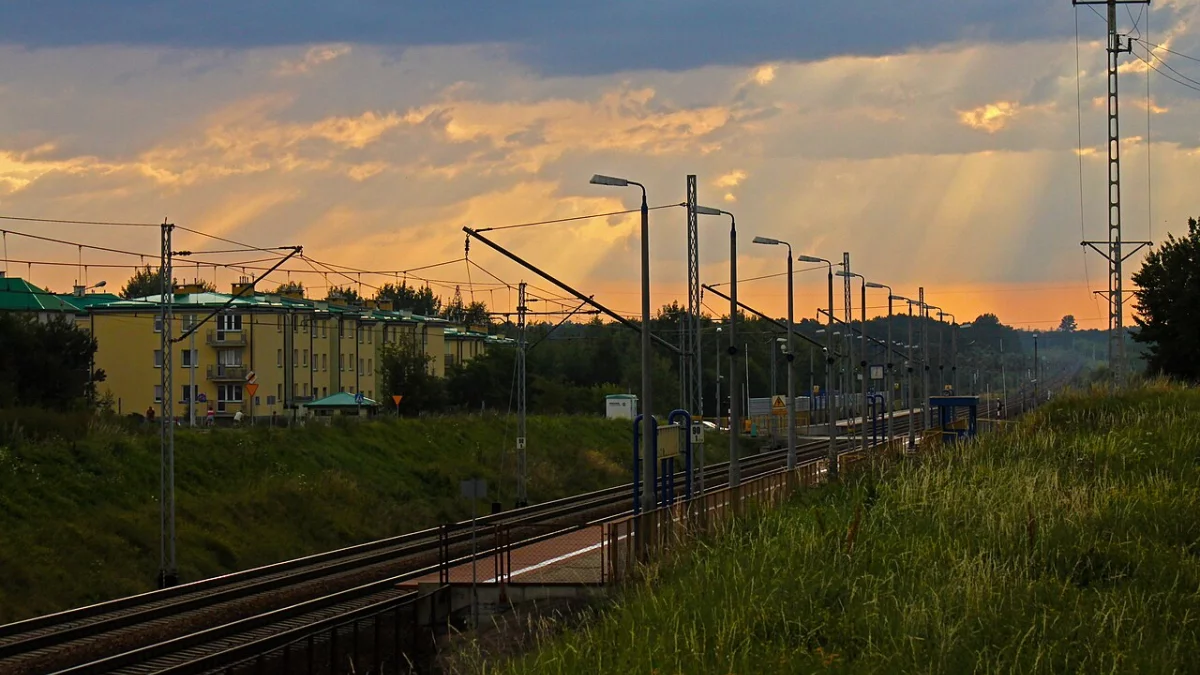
<point x="522" y="472"/>
<point x="692" y="351"/>
<point x="1114" y="250"/>
<point x="168" y="571"/>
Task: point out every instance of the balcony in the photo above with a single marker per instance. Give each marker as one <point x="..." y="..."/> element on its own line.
<point x="227" y="373"/>
<point x="226" y="338"/>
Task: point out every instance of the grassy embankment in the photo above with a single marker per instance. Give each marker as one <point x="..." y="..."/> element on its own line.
<point x="1069" y="543"/>
<point x="79" y="518"/>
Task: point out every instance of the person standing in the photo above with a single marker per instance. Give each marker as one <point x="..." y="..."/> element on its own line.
<point x="210" y="417"/>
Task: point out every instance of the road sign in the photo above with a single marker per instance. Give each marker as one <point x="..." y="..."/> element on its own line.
<point x="520" y="442"/>
<point x="876" y="372"/>
<point x="251" y="389"/>
<point x="358" y="398"/>
<point x="778" y="405"/>
<point x="251" y="377"/>
<point x="697" y="433"/>
<point x="473" y="489"/>
<point x="201" y="398"/>
<point x="397" y="398"/>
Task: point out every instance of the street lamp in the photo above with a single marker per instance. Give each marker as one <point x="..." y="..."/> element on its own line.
<point x="735" y="469"/>
<point x="863" y="353"/>
<point x="953" y="349"/>
<point x="1035" y="369"/>
<point x="791" y="357"/>
<point x="829" y="407"/>
<point x="648" y="426"/>
<point x="912" y="442"/>
<point x="887" y="381"/>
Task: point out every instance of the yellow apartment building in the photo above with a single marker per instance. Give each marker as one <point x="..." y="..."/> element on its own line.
<point x="297" y="350"/>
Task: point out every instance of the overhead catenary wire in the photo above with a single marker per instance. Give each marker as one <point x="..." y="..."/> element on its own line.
<point x="1187" y="82"/>
<point x="576" y="218"/>
<point x="1087" y="276"/>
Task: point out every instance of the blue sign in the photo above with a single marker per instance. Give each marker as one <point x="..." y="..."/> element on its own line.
<point x="358" y="398"/>
<point x="201" y="398"/>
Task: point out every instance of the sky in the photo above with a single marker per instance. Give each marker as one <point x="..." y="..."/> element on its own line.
<point x="936" y="141"/>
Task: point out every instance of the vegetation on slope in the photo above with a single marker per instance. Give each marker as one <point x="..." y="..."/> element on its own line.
<point x="1070" y="543"/>
<point x="79" y="519"/>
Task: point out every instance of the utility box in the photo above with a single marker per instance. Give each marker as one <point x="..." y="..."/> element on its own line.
<point x="621" y="406"/>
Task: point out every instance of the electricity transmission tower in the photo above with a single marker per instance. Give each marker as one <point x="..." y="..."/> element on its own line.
<point x="1115" y="250"/>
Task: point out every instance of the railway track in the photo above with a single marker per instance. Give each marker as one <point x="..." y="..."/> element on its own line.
<point x="163" y="631"/>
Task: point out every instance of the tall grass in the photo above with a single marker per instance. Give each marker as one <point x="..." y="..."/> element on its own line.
<point x="79" y="509"/>
<point x="1068" y="543"/>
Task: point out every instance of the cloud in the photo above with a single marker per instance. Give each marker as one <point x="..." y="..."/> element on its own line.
<point x="764" y="75"/>
<point x="314" y="57"/>
<point x="730" y="180"/>
<point x="563" y="38"/>
<point x="991" y="117"/>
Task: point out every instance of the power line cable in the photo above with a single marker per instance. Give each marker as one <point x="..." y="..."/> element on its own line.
<point x="1194" y="85"/>
<point x="1164" y="48"/>
<point x="1087" y="276"/>
<point x="78" y="244"/>
<point x="78" y="222"/>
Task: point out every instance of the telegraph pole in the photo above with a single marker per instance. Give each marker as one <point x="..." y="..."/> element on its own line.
<point x="1114" y="249"/>
<point x="522" y="310"/>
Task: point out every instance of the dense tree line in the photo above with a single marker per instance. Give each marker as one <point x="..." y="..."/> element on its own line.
<point x="45" y="364"/>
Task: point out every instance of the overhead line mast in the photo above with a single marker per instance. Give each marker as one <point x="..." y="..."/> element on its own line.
<point x="1114" y="250"/>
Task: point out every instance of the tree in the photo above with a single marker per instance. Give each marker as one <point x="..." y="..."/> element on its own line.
<point x="147" y="282"/>
<point x="339" y="294"/>
<point x="291" y="287"/>
<point x="45" y="364"/>
<point x="473" y="314"/>
<point x="404" y="371"/>
<point x="420" y="301"/>
<point x="1068" y="324"/>
<point x="1168" y="306"/>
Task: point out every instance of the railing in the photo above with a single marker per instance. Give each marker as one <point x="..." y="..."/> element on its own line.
<point x="226" y="338"/>
<point x="227" y="373"/>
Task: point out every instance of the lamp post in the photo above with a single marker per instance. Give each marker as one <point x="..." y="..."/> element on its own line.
<point x="908" y="383"/>
<point x="1035" y="369"/>
<point x="791" y="355"/>
<point x="863" y="352"/>
<point x="718" y="363"/>
<point x="953" y="348"/>
<point x="735" y="469"/>
<point x="833" y="458"/>
<point x="887" y="380"/>
<point x="648" y="429"/>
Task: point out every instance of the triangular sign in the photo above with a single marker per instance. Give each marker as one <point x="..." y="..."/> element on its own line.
<point x="397" y="398"/>
<point x="252" y="389"/>
<point x="778" y="402"/>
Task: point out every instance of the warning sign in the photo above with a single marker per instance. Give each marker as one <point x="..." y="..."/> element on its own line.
<point x="252" y="389"/>
<point x="778" y="405"/>
<point x="397" y="398"/>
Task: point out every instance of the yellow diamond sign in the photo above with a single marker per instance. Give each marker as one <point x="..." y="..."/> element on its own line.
<point x="778" y="405"/>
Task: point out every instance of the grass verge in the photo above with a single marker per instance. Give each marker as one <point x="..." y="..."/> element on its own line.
<point x="1068" y="543"/>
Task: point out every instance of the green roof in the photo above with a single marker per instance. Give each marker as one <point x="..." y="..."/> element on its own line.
<point x="18" y="295"/>
<point x="90" y="299"/>
<point x="339" y="400"/>
<point x="261" y="301"/>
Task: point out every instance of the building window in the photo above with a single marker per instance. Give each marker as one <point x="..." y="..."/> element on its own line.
<point x="324" y="391"/>
<point x="304" y="324"/>
<point x="341" y="362"/>
<point x="188" y="396"/>
<point x="370" y="334"/>
<point x="279" y="358"/>
<point x="324" y="362"/>
<point x="158" y="393"/>
<point x="295" y="358"/>
<point x="351" y="389"/>
<point x="270" y="400"/>
<point x="158" y="358"/>
<point x="229" y="397"/>
<point x="158" y="323"/>
<point x="360" y="366"/>
<point x="306" y="389"/>
<point x="360" y="335"/>
<point x="229" y="357"/>
<point x="278" y="392"/>
<point x="341" y="330"/>
<point x="188" y="358"/>
<point x="305" y="358"/>
<point x="370" y="366"/>
<point x="323" y="327"/>
<point x="229" y="322"/>
<point x="295" y="389"/>
<point x="278" y="326"/>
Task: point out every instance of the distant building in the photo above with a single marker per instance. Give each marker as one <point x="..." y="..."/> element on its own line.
<point x="299" y="350"/>
<point x="21" y="297"/>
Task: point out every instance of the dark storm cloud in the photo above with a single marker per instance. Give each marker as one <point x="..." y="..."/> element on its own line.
<point x="552" y="36"/>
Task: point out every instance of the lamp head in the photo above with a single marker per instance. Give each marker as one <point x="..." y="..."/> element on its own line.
<point x="708" y="211"/>
<point x="100" y="284"/>
<point x="600" y="179"/>
<point x="872" y="284"/>
<point x="767" y="240"/>
<point x="810" y="259"/>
